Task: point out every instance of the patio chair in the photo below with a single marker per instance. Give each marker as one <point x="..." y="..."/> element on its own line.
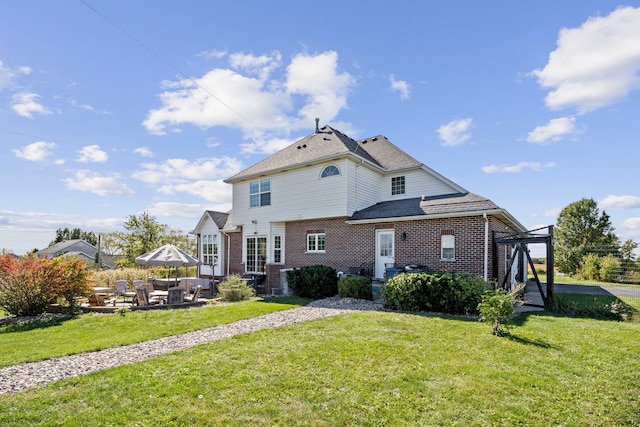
<point x="143" y="298"/>
<point x="195" y="296"/>
<point x="122" y="290"/>
<point x="175" y="295"/>
<point x="186" y="285"/>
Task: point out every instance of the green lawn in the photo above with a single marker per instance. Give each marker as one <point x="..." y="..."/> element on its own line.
<point x="38" y="340"/>
<point x="368" y="368"/>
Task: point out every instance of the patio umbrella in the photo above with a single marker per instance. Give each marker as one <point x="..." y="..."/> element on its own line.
<point x="168" y="256"/>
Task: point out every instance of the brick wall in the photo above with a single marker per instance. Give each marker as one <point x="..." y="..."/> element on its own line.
<point x="351" y="245"/>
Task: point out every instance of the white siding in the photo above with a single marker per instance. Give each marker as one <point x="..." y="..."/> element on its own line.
<point x="417" y="184"/>
<point x="295" y="195"/>
<point x="209" y="227"/>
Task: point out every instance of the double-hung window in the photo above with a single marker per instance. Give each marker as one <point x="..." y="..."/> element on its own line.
<point x="315" y="242"/>
<point x="277" y="249"/>
<point x="448" y="247"/>
<point x="260" y="193"/>
<point x="397" y="185"/>
<point x="209" y="249"/>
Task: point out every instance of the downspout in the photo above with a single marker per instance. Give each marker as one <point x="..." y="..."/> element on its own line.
<point x="486" y="246"/>
<point x="226" y="253"/>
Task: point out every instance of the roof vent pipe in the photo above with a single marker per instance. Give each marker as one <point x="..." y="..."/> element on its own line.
<point x="317" y="125"/>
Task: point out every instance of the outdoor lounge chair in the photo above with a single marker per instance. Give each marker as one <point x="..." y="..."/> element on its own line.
<point x="122" y="289"/>
<point x="195" y="296"/>
<point x="143" y="297"/>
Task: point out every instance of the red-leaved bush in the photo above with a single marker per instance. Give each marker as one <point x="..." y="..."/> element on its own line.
<point x="29" y="284"/>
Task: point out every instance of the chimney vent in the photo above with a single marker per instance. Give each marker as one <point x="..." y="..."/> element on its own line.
<point x="317" y="125"/>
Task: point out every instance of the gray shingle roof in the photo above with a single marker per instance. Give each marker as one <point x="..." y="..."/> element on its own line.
<point x="330" y="143"/>
<point x="438" y="205"/>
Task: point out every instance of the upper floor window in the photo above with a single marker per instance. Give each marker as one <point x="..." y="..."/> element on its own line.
<point x="331" y="170"/>
<point x="397" y="185"/>
<point x="260" y="193"/>
<point x="315" y="242"/>
<point x="448" y="247"/>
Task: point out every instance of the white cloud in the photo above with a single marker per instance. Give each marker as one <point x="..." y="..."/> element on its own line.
<point x="214" y="191"/>
<point x="5" y="75"/>
<point x="631" y="228"/>
<point x="517" y="168"/>
<point x="400" y="86"/>
<point x="181" y="210"/>
<point x="36" y="151"/>
<point x="144" y="151"/>
<point x="619" y="202"/>
<point x="213" y="54"/>
<point x="554" y="131"/>
<point x="455" y="132"/>
<point x="177" y="171"/>
<point x="262" y="66"/>
<point x="265" y="146"/>
<point x="272" y="104"/>
<point x="25" y="105"/>
<point x="92" y="154"/>
<point x="92" y="182"/>
<point x="596" y="64"/>
<point x="74" y="102"/>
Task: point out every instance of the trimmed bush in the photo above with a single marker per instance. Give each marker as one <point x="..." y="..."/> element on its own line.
<point x="235" y="289"/>
<point x="315" y="281"/>
<point x="454" y="293"/>
<point x="355" y="287"/>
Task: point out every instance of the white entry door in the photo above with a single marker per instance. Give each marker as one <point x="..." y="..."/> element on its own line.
<point x="384" y="250"/>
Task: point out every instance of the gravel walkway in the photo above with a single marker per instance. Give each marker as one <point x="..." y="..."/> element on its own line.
<point x="19" y="377"/>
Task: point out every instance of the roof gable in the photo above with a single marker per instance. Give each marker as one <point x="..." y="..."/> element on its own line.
<point x="220" y="219"/>
<point x="320" y="146"/>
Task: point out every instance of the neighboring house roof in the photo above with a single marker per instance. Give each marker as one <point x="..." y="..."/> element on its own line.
<point x="450" y="205"/>
<point x="329" y="144"/>
<point x="75" y="247"/>
<point x="64" y="247"/>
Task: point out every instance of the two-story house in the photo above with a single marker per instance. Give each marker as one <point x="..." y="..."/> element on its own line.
<point x="328" y="199"/>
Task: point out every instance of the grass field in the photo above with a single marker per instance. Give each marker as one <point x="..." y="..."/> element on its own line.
<point x="369" y="368"/>
<point x="44" y="339"/>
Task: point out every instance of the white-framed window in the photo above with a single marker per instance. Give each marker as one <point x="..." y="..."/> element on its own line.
<point x="256" y="254"/>
<point x="397" y="185"/>
<point x="315" y="242"/>
<point x="209" y="249"/>
<point x="331" y="170"/>
<point x="277" y="249"/>
<point x="260" y="193"/>
<point x="447" y="247"/>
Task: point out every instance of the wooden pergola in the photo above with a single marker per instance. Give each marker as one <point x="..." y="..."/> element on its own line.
<point x="519" y="242"/>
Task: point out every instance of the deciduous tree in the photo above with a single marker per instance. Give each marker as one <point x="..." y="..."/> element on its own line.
<point x="581" y="229"/>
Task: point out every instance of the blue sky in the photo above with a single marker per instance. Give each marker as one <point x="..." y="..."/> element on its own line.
<point x="112" y="108"/>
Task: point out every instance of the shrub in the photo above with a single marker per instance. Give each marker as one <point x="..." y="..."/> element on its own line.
<point x="355" y="287"/>
<point x="316" y="281"/>
<point x="610" y="268"/>
<point x="455" y="293"/>
<point x="235" y="289"/>
<point x="29" y="284"/>
<point x="589" y="266"/>
<point x="498" y="307"/>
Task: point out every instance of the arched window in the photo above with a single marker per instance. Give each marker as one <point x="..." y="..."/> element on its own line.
<point x="331" y="170"/>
